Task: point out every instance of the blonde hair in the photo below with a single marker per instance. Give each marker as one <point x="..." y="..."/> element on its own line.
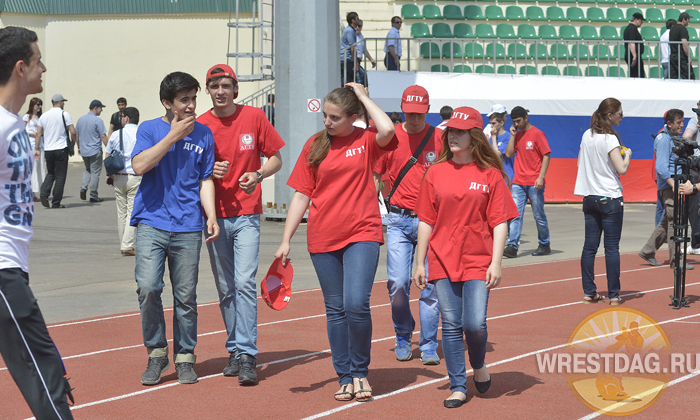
<point x="481" y="150"/>
<point x="347" y="101"/>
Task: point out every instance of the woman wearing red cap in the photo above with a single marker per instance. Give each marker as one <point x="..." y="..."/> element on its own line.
<point x="334" y="173"/>
<point x="463" y="206"/>
<point x="600" y="164"/>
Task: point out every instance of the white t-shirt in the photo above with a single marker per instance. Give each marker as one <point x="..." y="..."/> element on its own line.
<point x="596" y="173"/>
<point x="31" y="128"/>
<point x="664" y="46"/>
<point x="16" y="199"/>
<point x="54" y="131"/>
<point x="129" y="139"/>
<point x="693" y="126"/>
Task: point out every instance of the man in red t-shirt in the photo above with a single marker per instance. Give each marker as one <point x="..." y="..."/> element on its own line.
<point x="531" y="165"/>
<point x="241" y="134"/>
<point x="402" y="227"/>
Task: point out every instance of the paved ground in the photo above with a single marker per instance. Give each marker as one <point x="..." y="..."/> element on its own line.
<point x="77" y="271"/>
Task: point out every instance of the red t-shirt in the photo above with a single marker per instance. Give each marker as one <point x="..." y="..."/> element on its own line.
<point x="392" y="163"/>
<point x="344" y="206"/>
<point x="463" y="203"/>
<point x="239" y="139"/>
<point x="530" y="146"/>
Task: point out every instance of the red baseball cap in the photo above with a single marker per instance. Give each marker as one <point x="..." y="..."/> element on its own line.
<point x="276" y="287"/>
<point x="415" y="99"/>
<point x="465" y="118"/>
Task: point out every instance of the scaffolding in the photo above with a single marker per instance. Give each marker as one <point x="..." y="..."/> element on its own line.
<point x="257" y="63"/>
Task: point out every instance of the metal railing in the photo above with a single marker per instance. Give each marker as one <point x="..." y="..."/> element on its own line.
<point x="260" y="99"/>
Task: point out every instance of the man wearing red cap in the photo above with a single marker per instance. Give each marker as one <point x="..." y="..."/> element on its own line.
<point x="241" y="134"/>
<point x="403" y="224"/>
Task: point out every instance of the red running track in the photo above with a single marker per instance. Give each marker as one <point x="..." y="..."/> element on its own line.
<point x="535" y="309"/>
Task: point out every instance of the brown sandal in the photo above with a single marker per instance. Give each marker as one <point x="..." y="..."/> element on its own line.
<point x="361" y="384"/>
<point x="593" y="299"/>
<point x="616" y="301"/>
<point x="340" y="395"/>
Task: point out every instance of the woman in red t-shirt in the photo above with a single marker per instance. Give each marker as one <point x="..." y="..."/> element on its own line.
<point x="334" y="173"/>
<point x="463" y="206"/>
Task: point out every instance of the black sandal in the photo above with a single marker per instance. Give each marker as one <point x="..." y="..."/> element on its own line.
<point x="344" y="391"/>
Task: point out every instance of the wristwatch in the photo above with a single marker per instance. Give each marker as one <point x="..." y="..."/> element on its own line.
<point x="695" y="188"/>
<point x="260" y="177"/>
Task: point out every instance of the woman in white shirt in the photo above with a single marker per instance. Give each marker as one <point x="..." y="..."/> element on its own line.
<point x="601" y="161"/>
<point x="31" y="120"/>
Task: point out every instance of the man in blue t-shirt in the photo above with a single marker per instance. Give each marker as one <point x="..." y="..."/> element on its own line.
<point x="347" y="57"/>
<point x="175" y="155"/>
<point x="499" y="140"/>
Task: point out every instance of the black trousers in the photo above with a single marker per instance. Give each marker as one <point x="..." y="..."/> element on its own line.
<point x="28" y="351"/>
<point x="680" y="69"/>
<point x="638" y="69"/>
<point x="56" y="171"/>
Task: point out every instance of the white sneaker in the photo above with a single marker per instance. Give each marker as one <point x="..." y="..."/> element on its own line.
<point x="692" y="251"/>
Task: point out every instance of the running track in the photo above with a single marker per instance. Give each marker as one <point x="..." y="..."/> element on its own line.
<point x="534" y="310"/>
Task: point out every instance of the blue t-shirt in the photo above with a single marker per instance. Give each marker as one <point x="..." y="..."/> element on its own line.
<point x="168" y="198"/>
<point x="349" y="37"/>
<point x="508" y="162"/>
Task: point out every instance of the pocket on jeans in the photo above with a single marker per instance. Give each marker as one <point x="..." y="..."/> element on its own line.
<point x="610" y="206"/>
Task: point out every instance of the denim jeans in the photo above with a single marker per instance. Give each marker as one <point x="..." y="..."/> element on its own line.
<point x="360" y="75"/>
<point x="56" y="171"/>
<point x="153" y="247"/>
<point x="463" y="307"/>
<point x="602" y="215"/>
<point x="665" y="67"/>
<point x="521" y="193"/>
<point x="91" y="176"/>
<point x="346" y="277"/>
<point x="402" y="235"/>
<point x="234" y="262"/>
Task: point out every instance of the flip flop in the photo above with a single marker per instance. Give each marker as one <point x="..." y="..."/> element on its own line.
<point x="344" y="391"/>
<point x="361" y="383"/>
<point x="593" y="299"/>
<point x="616" y="301"/>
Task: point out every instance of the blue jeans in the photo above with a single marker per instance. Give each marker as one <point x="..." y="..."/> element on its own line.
<point x="234" y="262"/>
<point x="665" y="67"/>
<point x="602" y="214"/>
<point x="402" y="235"/>
<point x="346" y="277"/>
<point x="521" y="193"/>
<point x="360" y="75"/>
<point x="463" y="307"/>
<point x="153" y="247"/>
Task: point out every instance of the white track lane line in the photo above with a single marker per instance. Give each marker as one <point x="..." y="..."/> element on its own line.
<point x="373" y="341"/>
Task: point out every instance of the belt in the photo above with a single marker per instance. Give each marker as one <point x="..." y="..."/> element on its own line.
<point x="403" y="212"/>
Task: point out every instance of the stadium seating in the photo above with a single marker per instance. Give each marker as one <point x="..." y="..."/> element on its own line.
<point x="528" y="70"/>
<point x="473" y="12"/>
<point x="555" y="14"/>
<point x="451" y="49"/>
<point x="568" y="32"/>
<point x="463" y="30"/>
<point x="580" y="51"/>
<point x="654" y="15"/>
<point x="420" y="30"/>
<point x="484" y="69"/>
<point x="442" y="30"/>
<point x="609" y="33"/>
<point x="558" y="52"/>
<point x="595" y="14"/>
<point x="515" y="13"/>
<point x="649" y="33"/>
<point x="484" y="30"/>
<point x="432" y="11"/>
<point x="506" y="69"/>
<point x="494" y="13"/>
<point x="538" y="51"/>
<point x="535" y="13"/>
<point x="572" y="71"/>
<point x="550" y="70"/>
<point x="594" y="71"/>
<point x="452" y="12"/>
<point x="497" y="51"/>
<point x="589" y="33"/>
<point x="656" y="72"/>
<point x="410" y="11"/>
<point x="527" y="31"/>
<point x="429" y="50"/>
<point x="575" y="14"/>
<point x="505" y="31"/>
<point x="547" y="31"/>
<point x="462" y="68"/>
<point x="615" y="14"/>
<point x="517" y="51"/>
<point x="600" y="52"/>
<point x="614" y="71"/>
<point x="649" y="53"/>
<point x="473" y="50"/>
<point x="439" y="68"/>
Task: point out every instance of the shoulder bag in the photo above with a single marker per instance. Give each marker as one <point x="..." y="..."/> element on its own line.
<point x="114" y="163"/>
<point x="411" y="161"/>
<point x="69" y="144"/>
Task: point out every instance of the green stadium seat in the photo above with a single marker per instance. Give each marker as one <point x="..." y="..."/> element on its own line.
<point x="694" y="15"/>
<point x="572" y="71"/>
<point x="647" y="2"/>
<point x="439" y="68"/>
<point x="432" y="11"/>
<point x="535" y="14"/>
<point x="615" y="14"/>
<point x="581" y="51"/>
<point x="649" y="33"/>
<point x="630" y="11"/>
<point x="594" y="71"/>
<point x="420" y="30"/>
<point x="614" y="71"/>
<point x="672" y="14"/>
<point x="692" y="33"/>
<point x="600" y="52"/>
<point x="624" y="1"/>
<point x="463" y="30"/>
<point x="473" y="50"/>
<point x="693" y="53"/>
<point x="575" y="14"/>
<point x="410" y="11"/>
<point x="496" y="50"/>
<point x="610" y="2"/>
<point x="517" y="51"/>
<point x="589" y="33"/>
<point x="505" y="31"/>
<point x="550" y="70"/>
<point x="568" y="32"/>
<point x="473" y="12"/>
<point x="515" y="13"/>
<point x="664" y="2"/>
<point x="555" y="14"/>
<point x="429" y="50"/>
<point x="452" y="11"/>
<point x="595" y="14"/>
<point x="508" y="1"/>
<point x="547" y="31"/>
<point x="451" y="49"/>
<point x="462" y="68"/>
<point x="654" y="15"/>
<point x="586" y="1"/>
<point x="442" y="30"/>
<point x="618" y="51"/>
<point x="538" y="51"/>
<point x="483" y="69"/>
<point x="528" y="70"/>
<point x="527" y="31"/>
<point x="656" y="72"/>
<point x="697" y="75"/>
<point x="494" y="13"/>
<point x="682" y="2"/>
<point x="484" y="30"/>
<point x="547" y="1"/>
<point x="558" y="51"/>
<point x="609" y="33"/>
<point x="506" y="69"/>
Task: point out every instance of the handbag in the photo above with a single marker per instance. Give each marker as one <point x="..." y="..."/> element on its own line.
<point x="69" y="144"/>
<point x="411" y="161"/>
<point x="114" y="163"/>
